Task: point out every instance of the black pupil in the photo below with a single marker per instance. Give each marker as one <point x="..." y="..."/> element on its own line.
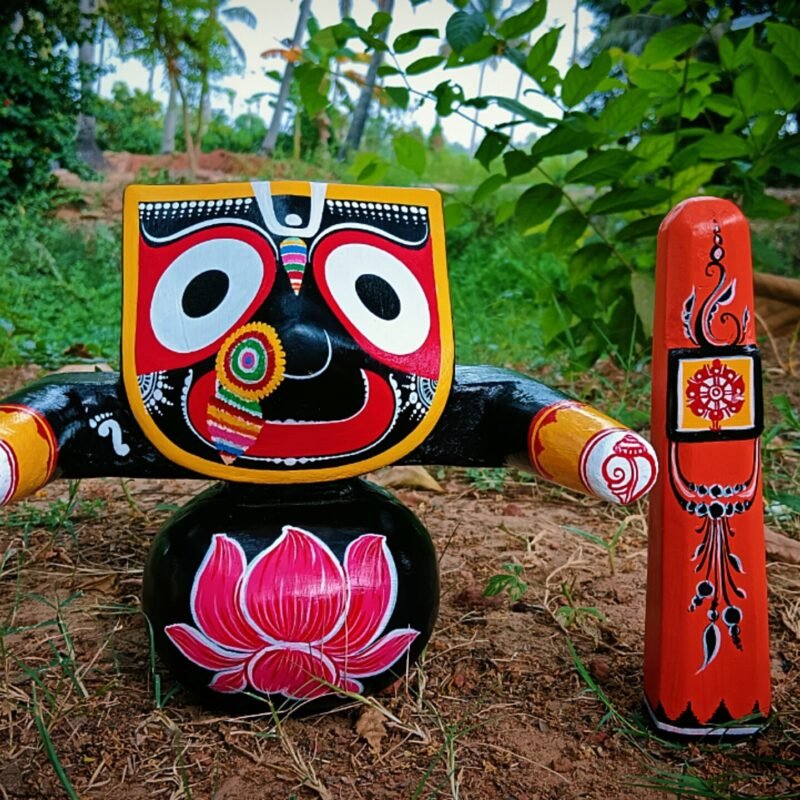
<point x="378" y="296"/>
<point x="204" y="293"/>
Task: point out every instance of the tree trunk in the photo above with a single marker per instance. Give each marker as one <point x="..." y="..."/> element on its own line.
<point x="191" y="152"/>
<point x="86" y="138"/>
<point x="518" y="92"/>
<point x="345" y="10"/>
<point x="204" y="110"/>
<point x="356" y="131"/>
<point x="576" y="22"/>
<point x="170" y="118"/>
<point x="475" y="127"/>
<point x="101" y="56"/>
<point x="268" y="145"/>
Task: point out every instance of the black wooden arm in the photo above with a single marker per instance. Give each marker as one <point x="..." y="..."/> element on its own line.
<point x="77" y="425"/>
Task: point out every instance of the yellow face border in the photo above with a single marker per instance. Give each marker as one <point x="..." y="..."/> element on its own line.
<point x="135" y="194"/>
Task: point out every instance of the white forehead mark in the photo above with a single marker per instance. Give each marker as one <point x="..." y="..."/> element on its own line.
<point x="263" y="193"/>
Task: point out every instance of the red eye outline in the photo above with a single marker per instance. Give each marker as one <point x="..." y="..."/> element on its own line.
<point x="425" y="360"/>
<point x="151" y="354"/>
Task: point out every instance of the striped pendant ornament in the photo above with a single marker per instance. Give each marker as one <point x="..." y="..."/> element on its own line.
<point x="294" y="256"/>
<point x="249" y="366"/>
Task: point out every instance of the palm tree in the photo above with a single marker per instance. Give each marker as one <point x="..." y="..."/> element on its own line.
<point x="356" y="130"/>
<point x="86" y="140"/>
<point x="270" y="140"/>
<point x="218" y="16"/>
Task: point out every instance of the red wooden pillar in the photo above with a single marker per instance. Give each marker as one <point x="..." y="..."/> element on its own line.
<point x="706" y="635"/>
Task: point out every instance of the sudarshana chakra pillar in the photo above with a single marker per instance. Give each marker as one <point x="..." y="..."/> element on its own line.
<point x="706" y="638"/>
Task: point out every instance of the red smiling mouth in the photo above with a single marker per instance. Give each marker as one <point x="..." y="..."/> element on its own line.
<point x="308" y="439"/>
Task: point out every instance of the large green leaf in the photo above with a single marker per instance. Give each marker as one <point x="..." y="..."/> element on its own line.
<point x="684" y="157"/>
<point x="504" y="212"/>
<point x="408" y="41"/>
<point x="624" y="113"/>
<point x="464" y="29"/>
<point x="538" y="65"/>
<point x="448" y="95"/>
<point x="410" y="152"/>
<point x="722" y="146"/>
<point x="399" y="95"/>
<point x="629" y="199"/>
<point x="424" y="64"/>
<point x="517" y="162"/>
<point x="542" y="52"/>
<point x="521" y="24"/>
<point x="722" y="104"/>
<point x="670" y="43"/>
<point x="689" y="181"/>
<point x="762" y="206"/>
<point x="475" y="53"/>
<point x="561" y="140"/>
<point x="669" y="8"/>
<point x="727" y="53"/>
<point x="488" y="187"/>
<point x="524" y="111"/>
<point x="580" y="82"/>
<point x="658" y="81"/>
<point x="454" y="213"/>
<point x="640" y="228"/>
<point x="785" y="41"/>
<point x="644" y="299"/>
<point x="744" y="50"/>
<point x="369" y="168"/>
<point x="566" y="229"/>
<point x="375" y="42"/>
<point x="313" y="82"/>
<point x="587" y="264"/>
<point x="607" y="165"/>
<point x="745" y="90"/>
<point x="490" y="148"/>
<point x="325" y="38"/>
<point x="536" y="205"/>
<point x="582" y="300"/>
<point x="655" y="150"/>
<point x="381" y="20"/>
<point x="777" y="78"/>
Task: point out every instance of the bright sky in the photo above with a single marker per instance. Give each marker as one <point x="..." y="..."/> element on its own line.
<point x="277" y="19"/>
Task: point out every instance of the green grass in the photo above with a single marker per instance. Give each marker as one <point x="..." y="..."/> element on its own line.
<point x="61" y="299"/>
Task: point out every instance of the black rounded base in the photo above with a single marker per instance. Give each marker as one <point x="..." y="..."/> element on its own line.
<point x="299" y="596"/>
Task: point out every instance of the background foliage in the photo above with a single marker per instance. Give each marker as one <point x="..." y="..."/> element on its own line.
<point x="702" y="101"/>
<point x="39" y="99"/>
<point x="551" y="220"/>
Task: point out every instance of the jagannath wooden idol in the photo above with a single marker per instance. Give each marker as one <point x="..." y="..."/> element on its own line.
<point x="707" y="670"/>
<point x="286" y="338"/>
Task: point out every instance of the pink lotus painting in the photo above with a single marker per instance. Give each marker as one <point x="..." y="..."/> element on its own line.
<point x="294" y="621"/>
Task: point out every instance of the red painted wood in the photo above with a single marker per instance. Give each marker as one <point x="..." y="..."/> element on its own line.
<point x="706" y="564"/>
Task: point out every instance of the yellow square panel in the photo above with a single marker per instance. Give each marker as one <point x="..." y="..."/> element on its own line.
<point x="715" y="394"/>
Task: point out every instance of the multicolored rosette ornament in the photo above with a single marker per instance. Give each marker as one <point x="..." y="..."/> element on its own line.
<point x="249" y="366"/>
<point x="294" y="256"/>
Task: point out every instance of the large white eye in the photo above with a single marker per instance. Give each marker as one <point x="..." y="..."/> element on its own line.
<point x="204" y="292"/>
<point x="379" y="294"/>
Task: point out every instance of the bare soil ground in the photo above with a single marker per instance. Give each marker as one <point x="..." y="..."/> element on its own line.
<point x="497" y="708"/>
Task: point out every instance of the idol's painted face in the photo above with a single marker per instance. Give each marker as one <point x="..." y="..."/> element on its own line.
<point x="285" y="332"/>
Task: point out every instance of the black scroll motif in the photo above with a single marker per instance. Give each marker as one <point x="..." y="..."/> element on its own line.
<point x="699" y="328"/>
